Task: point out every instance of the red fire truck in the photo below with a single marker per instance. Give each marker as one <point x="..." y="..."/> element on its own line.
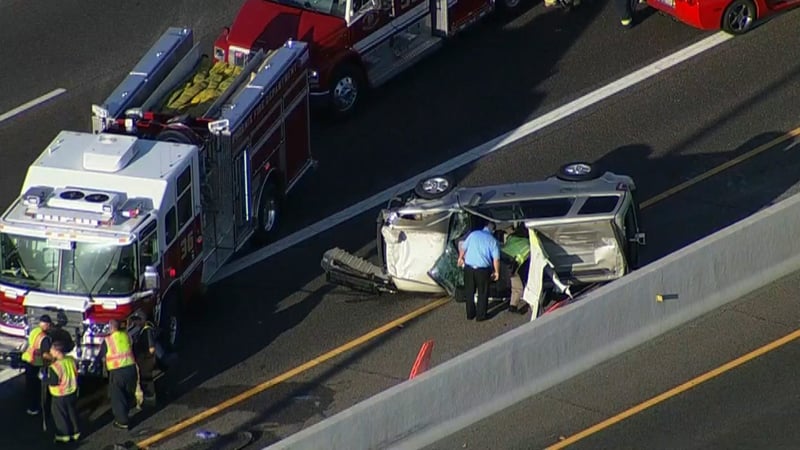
<point x="187" y="161"/>
<point x="354" y="44"/>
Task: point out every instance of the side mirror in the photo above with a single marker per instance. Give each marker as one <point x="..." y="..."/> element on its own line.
<point x="151" y="279"/>
<point x="226" y="31"/>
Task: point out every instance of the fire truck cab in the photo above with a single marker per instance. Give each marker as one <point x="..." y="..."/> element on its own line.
<point x="354" y="44"/>
<point x="137" y="215"/>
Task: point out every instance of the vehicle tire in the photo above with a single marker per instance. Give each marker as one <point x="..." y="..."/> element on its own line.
<point x="434" y="187"/>
<point x="739" y="17"/>
<point x="169" y="321"/>
<point x="269" y="212"/>
<point x="347" y="86"/>
<point x="509" y="6"/>
<point x="578" y="171"/>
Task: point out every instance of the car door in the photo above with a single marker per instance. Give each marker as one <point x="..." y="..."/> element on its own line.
<point x="446" y="271"/>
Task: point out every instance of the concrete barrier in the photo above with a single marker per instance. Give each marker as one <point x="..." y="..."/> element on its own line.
<point x="555" y="347"/>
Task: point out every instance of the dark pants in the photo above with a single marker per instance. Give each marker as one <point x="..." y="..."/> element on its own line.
<point x="625" y="8"/>
<point x="476" y="280"/>
<point x="122" y="391"/>
<point x="65" y="417"/>
<point x="33" y="387"/>
<point x="147" y="364"/>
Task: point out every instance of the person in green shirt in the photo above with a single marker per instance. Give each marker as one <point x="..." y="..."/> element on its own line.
<point x="515" y="251"/>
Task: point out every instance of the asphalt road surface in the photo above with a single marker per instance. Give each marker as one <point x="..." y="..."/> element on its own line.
<point x="279" y="314"/>
<point x="750" y="406"/>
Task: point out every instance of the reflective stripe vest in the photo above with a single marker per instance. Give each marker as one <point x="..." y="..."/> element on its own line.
<point x="33" y="354"/>
<point x="118" y="350"/>
<point x="518" y="248"/>
<point x="67" y="372"/>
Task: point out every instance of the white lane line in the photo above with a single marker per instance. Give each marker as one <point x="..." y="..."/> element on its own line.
<point x="477" y="152"/>
<point x="8" y="374"/>
<point x="28" y="105"/>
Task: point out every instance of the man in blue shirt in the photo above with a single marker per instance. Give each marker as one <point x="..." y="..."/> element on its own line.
<point x="480" y="258"/>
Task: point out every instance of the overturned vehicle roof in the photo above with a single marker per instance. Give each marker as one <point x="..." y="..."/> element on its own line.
<point x="581" y="223"/>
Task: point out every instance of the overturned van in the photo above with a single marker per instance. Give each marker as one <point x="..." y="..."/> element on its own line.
<point x="582" y="224"/>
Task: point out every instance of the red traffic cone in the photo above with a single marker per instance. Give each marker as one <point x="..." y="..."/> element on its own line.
<point x="423" y="361"/>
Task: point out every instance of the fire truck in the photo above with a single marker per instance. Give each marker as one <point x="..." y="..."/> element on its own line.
<point x="354" y="44"/>
<point x="187" y="160"/>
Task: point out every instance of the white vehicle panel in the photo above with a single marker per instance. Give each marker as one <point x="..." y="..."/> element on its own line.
<point x="411" y="253"/>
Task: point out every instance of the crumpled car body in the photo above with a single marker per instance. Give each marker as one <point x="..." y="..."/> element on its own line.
<point x="586" y="230"/>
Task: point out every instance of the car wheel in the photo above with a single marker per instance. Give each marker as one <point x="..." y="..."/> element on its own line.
<point x="739" y="16"/>
<point x="434" y="187"/>
<point x="346" y="90"/>
<point x="578" y="171"/>
<point x="269" y="209"/>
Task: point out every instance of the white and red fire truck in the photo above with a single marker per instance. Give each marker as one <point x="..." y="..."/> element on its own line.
<point x="354" y="44"/>
<point x="138" y="214"/>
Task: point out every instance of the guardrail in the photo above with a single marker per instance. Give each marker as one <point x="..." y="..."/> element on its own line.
<point x="607" y="322"/>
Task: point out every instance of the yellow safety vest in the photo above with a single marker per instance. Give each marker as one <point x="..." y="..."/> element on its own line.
<point x="118" y="350"/>
<point x="518" y="248"/>
<point x="33" y="354"/>
<point x="67" y="372"/>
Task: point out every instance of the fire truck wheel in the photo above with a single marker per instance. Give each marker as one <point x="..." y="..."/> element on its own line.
<point x="346" y="89"/>
<point x="269" y="207"/>
<point x="578" y="171"/>
<point x="739" y="17"/>
<point x="169" y="321"/>
<point x="434" y="187"/>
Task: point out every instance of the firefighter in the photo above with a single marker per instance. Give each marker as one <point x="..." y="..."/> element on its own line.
<point x="121" y="365"/>
<point x="62" y="381"/>
<point x="34" y="356"/>
<point x="144" y="350"/>
<point x="514" y="253"/>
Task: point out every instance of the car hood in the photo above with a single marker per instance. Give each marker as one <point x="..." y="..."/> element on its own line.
<point x="264" y="24"/>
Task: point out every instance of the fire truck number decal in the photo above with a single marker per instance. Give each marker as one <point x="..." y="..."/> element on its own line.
<point x="187" y="245"/>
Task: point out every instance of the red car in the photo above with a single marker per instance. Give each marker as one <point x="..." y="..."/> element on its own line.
<point x="733" y="16"/>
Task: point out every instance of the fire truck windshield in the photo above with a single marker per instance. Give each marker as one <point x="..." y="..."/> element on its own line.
<point x="83" y="269"/>
<point x="334" y="8"/>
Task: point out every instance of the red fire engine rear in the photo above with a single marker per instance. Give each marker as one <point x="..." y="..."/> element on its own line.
<point x="354" y="44"/>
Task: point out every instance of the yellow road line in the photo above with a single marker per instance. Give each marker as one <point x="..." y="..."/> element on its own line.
<point x="677" y="390"/>
<point x="705" y="175"/>
<point x="291" y="373"/>
<point x="383" y="329"/>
